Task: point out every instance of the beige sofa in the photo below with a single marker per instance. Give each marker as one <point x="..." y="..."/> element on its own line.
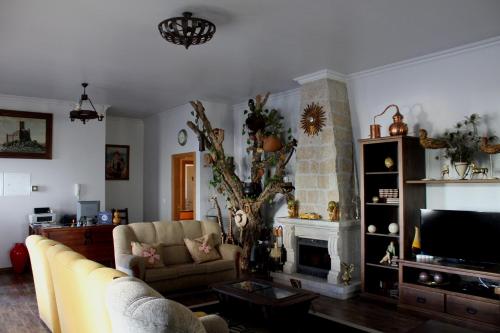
<point x="180" y="272"/>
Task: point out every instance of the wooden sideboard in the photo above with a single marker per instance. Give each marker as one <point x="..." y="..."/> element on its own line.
<point x="93" y="242"/>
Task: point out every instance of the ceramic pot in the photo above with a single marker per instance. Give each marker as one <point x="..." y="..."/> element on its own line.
<point x="393" y="228"/>
<point x="462" y="169"/>
<point x="272" y="143"/>
<point x="255" y="122"/>
<point x="19" y="257"/>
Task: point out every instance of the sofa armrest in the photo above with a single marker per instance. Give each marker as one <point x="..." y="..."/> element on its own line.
<point x="214" y="324"/>
<point x="231" y="252"/>
<point x="132" y="265"/>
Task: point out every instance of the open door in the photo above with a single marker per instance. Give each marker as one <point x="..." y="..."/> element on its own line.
<point x="183" y="186"/>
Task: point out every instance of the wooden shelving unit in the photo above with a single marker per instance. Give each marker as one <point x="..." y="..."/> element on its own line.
<point x="453" y="181"/>
<point x="381" y="280"/>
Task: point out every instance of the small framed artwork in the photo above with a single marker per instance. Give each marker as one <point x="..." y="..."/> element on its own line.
<point x="117" y="162"/>
<point x="25" y="134"/>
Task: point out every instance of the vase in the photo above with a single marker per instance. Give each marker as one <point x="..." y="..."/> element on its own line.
<point x="416" y="248"/>
<point x="19" y="257"/>
<point x="462" y="169"/>
<point x="271" y="144"/>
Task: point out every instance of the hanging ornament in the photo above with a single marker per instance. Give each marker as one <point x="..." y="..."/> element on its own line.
<point x="313" y="119"/>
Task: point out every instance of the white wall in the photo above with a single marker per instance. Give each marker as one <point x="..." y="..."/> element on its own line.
<point x="78" y="157"/>
<point x="434" y="93"/>
<point x="127" y="193"/>
<point x="160" y="143"/>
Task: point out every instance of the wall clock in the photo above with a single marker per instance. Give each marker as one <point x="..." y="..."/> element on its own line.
<point x="313" y="119"/>
<point x="182" y="137"/>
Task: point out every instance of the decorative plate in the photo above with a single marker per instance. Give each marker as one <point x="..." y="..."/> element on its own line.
<point x="182" y="137"/>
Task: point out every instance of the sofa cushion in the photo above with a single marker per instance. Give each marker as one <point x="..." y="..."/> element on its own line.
<point x="169" y="233"/>
<point x="152" y="253"/>
<point x="176" y="254"/>
<point x="191" y="229"/>
<point x="202" y="249"/>
<point x="135" y="307"/>
<point x="218" y="266"/>
<point x="144" y="232"/>
<point x="183" y="270"/>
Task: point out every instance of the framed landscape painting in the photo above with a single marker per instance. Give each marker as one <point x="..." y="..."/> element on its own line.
<point x="25" y="134"/>
<point x="117" y="162"/>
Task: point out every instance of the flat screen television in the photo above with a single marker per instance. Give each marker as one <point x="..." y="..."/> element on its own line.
<point x="468" y="236"/>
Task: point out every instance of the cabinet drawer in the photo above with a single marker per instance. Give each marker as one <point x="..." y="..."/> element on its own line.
<point x="424" y="299"/>
<point x="482" y="311"/>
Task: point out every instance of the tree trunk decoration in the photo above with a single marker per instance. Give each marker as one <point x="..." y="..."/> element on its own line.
<point x="263" y="163"/>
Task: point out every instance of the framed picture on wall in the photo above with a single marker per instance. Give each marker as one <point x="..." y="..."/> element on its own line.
<point x="25" y="134"/>
<point x="117" y="162"/>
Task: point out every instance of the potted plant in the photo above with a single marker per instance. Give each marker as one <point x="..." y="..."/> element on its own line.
<point x="272" y="131"/>
<point x="462" y="143"/>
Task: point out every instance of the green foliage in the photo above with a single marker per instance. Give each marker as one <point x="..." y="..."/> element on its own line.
<point x="463" y="140"/>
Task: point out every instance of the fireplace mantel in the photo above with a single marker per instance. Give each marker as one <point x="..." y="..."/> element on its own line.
<point x="343" y="246"/>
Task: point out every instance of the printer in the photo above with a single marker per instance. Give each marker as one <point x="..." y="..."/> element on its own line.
<point x="42" y="215"/>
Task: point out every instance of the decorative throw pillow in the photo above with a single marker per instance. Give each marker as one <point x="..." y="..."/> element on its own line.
<point x="152" y="253"/>
<point x="202" y="249"/>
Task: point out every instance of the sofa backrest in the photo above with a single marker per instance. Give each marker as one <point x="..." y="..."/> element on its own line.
<point x="170" y="234"/>
<point x="42" y="277"/>
<point x="136" y="307"/>
<point x="80" y="287"/>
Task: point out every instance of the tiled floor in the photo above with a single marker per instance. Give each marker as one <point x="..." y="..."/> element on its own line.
<point x="18" y="309"/>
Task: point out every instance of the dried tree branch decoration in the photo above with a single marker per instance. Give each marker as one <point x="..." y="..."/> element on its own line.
<point x="229" y="182"/>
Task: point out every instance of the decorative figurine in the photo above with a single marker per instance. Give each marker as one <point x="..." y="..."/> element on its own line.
<point x="389" y="163"/>
<point x="372" y="229"/>
<point x="116" y="218"/>
<point x="445" y="171"/>
<point x="429" y="143"/>
<point x="489" y="149"/>
<point x="347" y="275"/>
<point x="389" y="253"/>
<point x="293" y="208"/>
<point x="475" y="170"/>
<point x="333" y="211"/>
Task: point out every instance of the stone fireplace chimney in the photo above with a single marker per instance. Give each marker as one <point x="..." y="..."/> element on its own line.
<point x="325" y="169"/>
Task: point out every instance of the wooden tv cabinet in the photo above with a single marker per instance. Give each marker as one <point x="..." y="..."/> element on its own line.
<point x="450" y="299"/>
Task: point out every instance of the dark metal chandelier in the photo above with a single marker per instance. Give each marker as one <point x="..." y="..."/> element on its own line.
<point x="81" y="113"/>
<point x="187" y="30"/>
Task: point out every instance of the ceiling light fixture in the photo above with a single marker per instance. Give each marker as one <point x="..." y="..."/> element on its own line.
<point x="82" y="114"/>
<point x="186" y="30"/>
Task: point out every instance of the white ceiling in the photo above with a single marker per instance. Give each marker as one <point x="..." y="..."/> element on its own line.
<point x="48" y="47"/>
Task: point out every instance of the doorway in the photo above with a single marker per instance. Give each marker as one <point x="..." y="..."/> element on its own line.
<point x="183" y="186"/>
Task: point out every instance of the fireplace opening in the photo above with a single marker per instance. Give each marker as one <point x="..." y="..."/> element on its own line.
<point x="313" y="257"/>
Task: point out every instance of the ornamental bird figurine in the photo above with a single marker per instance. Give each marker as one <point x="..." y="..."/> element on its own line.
<point x="429" y="143"/>
<point x="488" y="148"/>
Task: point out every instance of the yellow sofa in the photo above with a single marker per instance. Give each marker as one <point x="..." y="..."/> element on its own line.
<point x="76" y="295"/>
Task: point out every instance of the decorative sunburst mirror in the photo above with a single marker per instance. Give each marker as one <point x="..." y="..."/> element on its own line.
<point x="313" y="119"/>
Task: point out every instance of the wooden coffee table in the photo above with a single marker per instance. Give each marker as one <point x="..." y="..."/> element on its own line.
<point x="272" y="301"/>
